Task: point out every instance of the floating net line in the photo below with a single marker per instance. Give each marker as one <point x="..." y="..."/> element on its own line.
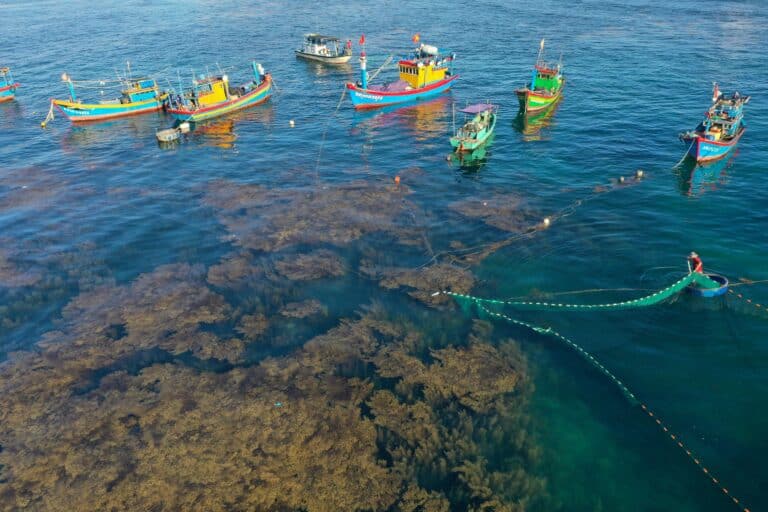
<point x="702" y="280"/>
<point x="649" y="300"/>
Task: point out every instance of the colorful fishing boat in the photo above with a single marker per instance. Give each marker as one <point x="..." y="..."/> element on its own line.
<point x="137" y="96"/>
<point x="721" y="129"/>
<point x="546" y="87"/>
<point x="425" y="73"/>
<point x="212" y="96"/>
<point x="325" y="49"/>
<point x="8" y="85"/>
<point x="475" y="131"/>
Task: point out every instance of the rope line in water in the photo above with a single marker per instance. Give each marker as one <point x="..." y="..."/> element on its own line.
<point x="763" y="309"/>
<point x="630" y="396"/>
<point x="648" y="300"/>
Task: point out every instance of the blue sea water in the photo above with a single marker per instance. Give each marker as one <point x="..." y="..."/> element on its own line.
<point x="79" y="204"/>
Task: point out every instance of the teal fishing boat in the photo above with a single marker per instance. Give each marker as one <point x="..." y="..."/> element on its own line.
<point x="8" y="85"/>
<point x="475" y="131"/>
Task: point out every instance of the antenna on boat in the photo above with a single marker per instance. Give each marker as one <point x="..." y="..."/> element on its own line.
<point x="128" y="66"/>
<point x="221" y="71"/>
<point x="541" y="51"/>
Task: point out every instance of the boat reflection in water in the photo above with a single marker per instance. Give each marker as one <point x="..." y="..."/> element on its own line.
<point x="696" y="179"/>
<point x="136" y="131"/>
<point x="220" y="133"/>
<point x="420" y="121"/>
<point x="531" y="125"/>
<point x="472" y="161"/>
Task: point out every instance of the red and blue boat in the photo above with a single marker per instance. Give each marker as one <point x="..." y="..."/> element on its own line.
<point x="721" y="129"/>
<point x="426" y="73"/>
<point x="212" y="96"/>
<point x="8" y="85"/>
<point x="137" y="96"/>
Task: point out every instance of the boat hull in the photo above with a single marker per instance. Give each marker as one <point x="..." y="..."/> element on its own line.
<point x="703" y="150"/>
<point x="367" y="98"/>
<point x="468" y="144"/>
<point x="340" y="59"/>
<point x="533" y="102"/>
<point x="84" y="112"/>
<point x="259" y="95"/>
<point x="8" y="92"/>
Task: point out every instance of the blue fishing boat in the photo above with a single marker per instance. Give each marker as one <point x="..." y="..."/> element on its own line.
<point x="212" y="96"/>
<point x="425" y="73"/>
<point x="8" y="85"/>
<point x="137" y="96"/>
<point x="721" y="129"/>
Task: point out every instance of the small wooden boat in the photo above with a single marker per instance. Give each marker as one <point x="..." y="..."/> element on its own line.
<point x="710" y="292"/>
<point x="325" y="49"/>
<point x="721" y="129"/>
<point x="546" y="88"/>
<point x="138" y="96"/>
<point x="212" y="96"/>
<point x="8" y="85"/>
<point x="423" y="74"/>
<point x="475" y="131"/>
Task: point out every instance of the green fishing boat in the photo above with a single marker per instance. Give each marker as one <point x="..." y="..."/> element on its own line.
<point x="475" y="131"/>
<point x="546" y="88"/>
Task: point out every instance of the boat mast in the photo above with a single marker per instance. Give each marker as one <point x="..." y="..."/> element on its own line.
<point x="363" y="72"/>
<point x="65" y="78"/>
<point x="538" y="61"/>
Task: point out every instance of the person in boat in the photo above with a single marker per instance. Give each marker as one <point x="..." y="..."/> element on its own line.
<point x="695" y="264"/>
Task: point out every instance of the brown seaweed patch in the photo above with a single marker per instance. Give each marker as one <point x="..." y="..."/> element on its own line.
<point x="502" y="211"/>
<point x="315" y="265"/>
<point x="303" y="309"/>
<point x="424" y="282"/>
<point x="14" y="275"/>
<point x="235" y="271"/>
<point x="291" y="433"/>
<point x="252" y="326"/>
<point x="265" y="219"/>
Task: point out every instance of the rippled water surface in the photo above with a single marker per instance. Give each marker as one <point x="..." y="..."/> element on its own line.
<point x="215" y="324"/>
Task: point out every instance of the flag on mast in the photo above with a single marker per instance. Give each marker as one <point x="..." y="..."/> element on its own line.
<point x="541" y="44"/>
<point x="416" y="38"/>
<point x="715" y="92"/>
<point x="362" y="39"/>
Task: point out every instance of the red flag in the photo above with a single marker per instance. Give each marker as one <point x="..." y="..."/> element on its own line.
<point x="415" y="38"/>
<point x="362" y="39"/>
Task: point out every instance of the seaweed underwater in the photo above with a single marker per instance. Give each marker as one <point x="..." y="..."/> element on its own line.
<point x="238" y="386"/>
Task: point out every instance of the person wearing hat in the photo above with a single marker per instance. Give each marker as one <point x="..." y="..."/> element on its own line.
<point x="695" y="264"/>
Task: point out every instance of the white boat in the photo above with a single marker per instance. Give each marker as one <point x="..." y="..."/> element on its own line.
<point x="325" y="49"/>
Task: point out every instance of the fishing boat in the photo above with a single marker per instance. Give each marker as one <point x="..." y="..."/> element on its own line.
<point x="212" y="96"/>
<point x="325" y="49"/>
<point x="425" y="73"/>
<point x="475" y="131"/>
<point x="8" y="85"/>
<point x="546" y="87"/>
<point x="721" y="129"/>
<point x="138" y="96"/>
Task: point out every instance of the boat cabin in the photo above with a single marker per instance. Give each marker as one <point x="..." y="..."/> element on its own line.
<point x="209" y="91"/>
<point x="424" y="67"/>
<point x="324" y="46"/>
<point x="141" y="89"/>
<point x="547" y="77"/>
<point x="5" y="77"/>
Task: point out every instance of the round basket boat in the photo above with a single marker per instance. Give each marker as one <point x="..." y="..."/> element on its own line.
<point x="710" y="292"/>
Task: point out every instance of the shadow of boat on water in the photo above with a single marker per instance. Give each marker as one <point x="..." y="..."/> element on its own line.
<point x="696" y="179"/>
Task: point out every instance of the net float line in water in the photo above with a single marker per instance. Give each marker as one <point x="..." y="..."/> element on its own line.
<point x="632" y="399"/>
